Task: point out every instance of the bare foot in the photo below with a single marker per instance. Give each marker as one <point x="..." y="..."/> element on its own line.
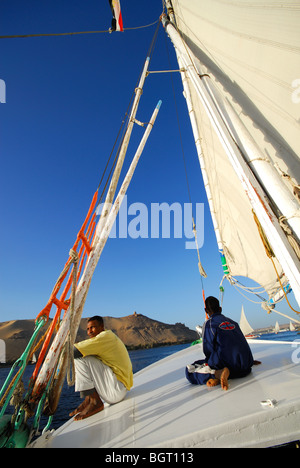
<point x="224" y="378"/>
<point x="256" y="363"/>
<point x="91" y="405"/>
<point x="213" y="382"/>
<point x="80" y="407"/>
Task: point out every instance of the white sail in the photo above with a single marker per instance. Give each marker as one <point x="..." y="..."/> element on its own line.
<point x="244" y="324"/>
<point x="277" y="328"/>
<point x="292" y="327"/>
<point x="251" y="52"/>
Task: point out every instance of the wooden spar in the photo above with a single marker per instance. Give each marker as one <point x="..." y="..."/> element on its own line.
<point x="257" y="196"/>
<point x="100" y="242"/>
<point x="116" y="175"/>
<point x="81" y="293"/>
<point x="111" y="193"/>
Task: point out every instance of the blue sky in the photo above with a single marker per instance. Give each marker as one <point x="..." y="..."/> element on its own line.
<point x="65" y="100"/>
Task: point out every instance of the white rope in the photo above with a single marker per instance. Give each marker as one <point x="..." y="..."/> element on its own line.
<point x="72" y="334"/>
<point x="200" y="266"/>
<point x="284" y="315"/>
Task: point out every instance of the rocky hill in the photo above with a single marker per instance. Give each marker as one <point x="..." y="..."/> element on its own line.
<point x="136" y="331"/>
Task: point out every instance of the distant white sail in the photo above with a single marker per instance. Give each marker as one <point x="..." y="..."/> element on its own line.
<point x="292" y="328"/>
<point x="2" y="352"/>
<point x="244" y="324"/>
<point x="277" y="328"/>
<point x="263" y="94"/>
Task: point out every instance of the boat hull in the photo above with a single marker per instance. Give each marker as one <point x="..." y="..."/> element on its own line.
<point x="164" y="410"/>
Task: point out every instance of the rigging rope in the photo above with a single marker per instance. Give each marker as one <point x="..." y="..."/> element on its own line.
<point x="75" y="33"/>
<point x="271" y="255"/>
<point x="124" y="121"/>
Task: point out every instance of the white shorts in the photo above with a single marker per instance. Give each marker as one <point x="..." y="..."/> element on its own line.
<point x="90" y="372"/>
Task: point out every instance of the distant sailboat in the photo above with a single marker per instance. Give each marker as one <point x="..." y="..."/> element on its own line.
<point x="245" y="326"/>
<point x="277" y="328"/>
<point x="292" y="328"/>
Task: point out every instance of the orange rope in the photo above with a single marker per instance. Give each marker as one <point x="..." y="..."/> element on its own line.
<point x="62" y="303"/>
<point x="203" y="295"/>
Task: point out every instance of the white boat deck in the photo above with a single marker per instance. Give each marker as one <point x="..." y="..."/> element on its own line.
<point x="164" y="410"/>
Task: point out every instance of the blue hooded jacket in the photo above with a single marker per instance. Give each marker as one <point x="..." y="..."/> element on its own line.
<point x="224" y="345"/>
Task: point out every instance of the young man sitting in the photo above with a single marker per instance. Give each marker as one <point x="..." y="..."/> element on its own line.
<point x="227" y="353"/>
<point x="103" y="370"/>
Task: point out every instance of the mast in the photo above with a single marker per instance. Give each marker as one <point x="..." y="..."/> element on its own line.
<point x="93" y="259"/>
<point x="218" y="113"/>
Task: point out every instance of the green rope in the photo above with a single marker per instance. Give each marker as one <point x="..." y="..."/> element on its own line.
<point x="21" y="362"/>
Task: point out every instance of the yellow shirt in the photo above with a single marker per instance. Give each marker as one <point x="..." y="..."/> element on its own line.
<point x="112" y="352"/>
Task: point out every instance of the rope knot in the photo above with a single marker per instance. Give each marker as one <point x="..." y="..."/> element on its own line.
<point x="74" y="256"/>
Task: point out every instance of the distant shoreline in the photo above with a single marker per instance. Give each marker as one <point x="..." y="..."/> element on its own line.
<point x="136" y="331"/>
<point x="129" y="348"/>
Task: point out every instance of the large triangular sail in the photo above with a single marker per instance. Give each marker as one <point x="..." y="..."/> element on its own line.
<point x="248" y="53"/>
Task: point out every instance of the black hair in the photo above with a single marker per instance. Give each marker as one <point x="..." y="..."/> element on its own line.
<point x="212" y="304"/>
<point x="98" y="319"/>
